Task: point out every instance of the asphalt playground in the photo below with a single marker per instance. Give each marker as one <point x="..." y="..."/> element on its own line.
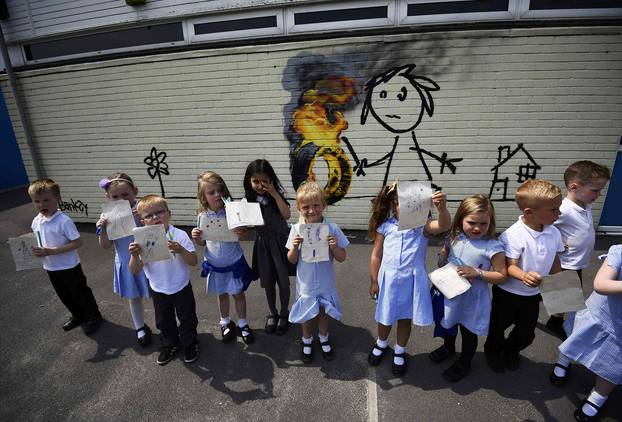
<point x="51" y="375"/>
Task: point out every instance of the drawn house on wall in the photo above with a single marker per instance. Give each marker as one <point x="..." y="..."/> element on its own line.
<point x="512" y="166"/>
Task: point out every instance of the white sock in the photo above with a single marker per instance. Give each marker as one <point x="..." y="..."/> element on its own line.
<point x="564" y="361"/>
<point x="309" y="341"/>
<point x="138" y="314"/>
<point x="326" y="348"/>
<point x="242" y="322"/>
<point x="380" y="343"/>
<point x="225" y="320"/>
<point x="595" y="398"/>
<point x="398" y="349"/>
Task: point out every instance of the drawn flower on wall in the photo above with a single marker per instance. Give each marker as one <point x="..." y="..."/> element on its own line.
<point x="156" y="166"/>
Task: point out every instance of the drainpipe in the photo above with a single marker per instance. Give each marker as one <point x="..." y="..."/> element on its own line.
<point x="20" y="108"/>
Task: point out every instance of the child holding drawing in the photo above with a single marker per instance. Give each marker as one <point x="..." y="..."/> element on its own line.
<point x="58" y="241"/>
<point x="531" y="247"/>
<point x="316" y="297"/>
<point x="479" y="257"/>
<point x="224" y="264"/>
<point x="134" y="287"/>
<point x="596" y="340"/>
<point x="398" y="274"/>
<point x="270" y="262"/>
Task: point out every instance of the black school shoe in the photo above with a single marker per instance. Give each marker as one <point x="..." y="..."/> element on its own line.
<point x="283" y="324"/>
<point x="92" y="324"/>
<point x="440" y="354"/>
<point x="246" y="333"/>
<point x="191" y="353"/>
<point x="145" y="340"/>
<point x="167" y="353"/>
<point x="457" y="371"/>
<point x="306" y="357"/>
<point x="494" y="361"/>
<point x="228" y="332"/>
<point x="71" y="323"/>
<point x="556" y="326"/>
<point x="399" y="370"/>
<point x="580" y="416"/>
<point x="330" y="355"/>
<point x="556" y="380"/>
<point x="271" y="321"/>
<point x="511" y="361"/>
<point x="374" y="360"/>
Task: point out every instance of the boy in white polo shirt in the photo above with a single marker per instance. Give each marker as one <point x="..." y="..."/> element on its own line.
<point x="58" y="241"/>
<point x="584" y="182"/>
<point x="169" y="283"/>
<point x="531" y="247"/>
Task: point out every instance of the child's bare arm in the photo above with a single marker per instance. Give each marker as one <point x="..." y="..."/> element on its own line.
<point x="292" y="254"/>
<point x="557" y="266"/>
<point x="280" y="202"/>
<point x="499" y="273"/>
<point x="190" y="258"/>
<point x="338" y="253"/>
<point x="529" y="278"/>
<point x="136" y="264"/>
<point x="605" y="282"/>
<point x="374" y="264"/>
<point x="47" y="251"/>
<point x="443" y="221"/>
<point x="104" y="242"/>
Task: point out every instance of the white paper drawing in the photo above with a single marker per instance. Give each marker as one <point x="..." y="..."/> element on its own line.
<point x="153" y="243"/>
<point x="216" y="228"/>
<point x="120" y="219"/>
<point x="21" y="249"/>
<point x="314" y="247"/>
<point x="449" y="282"/>
<point x="243" y="213"/>
<point x="562" y="292"/>
<point x="415" y="199"/>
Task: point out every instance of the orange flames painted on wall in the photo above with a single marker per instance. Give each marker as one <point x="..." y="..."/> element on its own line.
<point x="319" y="121"/>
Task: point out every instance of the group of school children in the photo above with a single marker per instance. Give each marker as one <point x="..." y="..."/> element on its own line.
<point x="551" y="235"/>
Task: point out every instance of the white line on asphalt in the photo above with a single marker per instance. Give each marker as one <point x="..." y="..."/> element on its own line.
<point x="372" y="396"/>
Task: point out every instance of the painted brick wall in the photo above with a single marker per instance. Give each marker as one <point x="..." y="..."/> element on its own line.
<point x="556" y="91"/>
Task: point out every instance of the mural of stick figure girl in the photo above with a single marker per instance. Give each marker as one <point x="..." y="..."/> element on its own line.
<point x="398" y="100"/>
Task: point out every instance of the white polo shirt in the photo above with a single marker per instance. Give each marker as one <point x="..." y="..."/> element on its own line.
<point x="57" y="230"/>
<point x="577" y="228"/>
<point x="171" y="275"/>
<point x="534" y="250"/>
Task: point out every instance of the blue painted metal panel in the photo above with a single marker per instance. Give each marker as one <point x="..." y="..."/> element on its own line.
<point x="13" y="171"/>
<point x="612" y="210"/>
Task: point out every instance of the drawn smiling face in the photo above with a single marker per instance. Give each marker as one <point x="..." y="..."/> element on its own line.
<point x="396" y="104"/>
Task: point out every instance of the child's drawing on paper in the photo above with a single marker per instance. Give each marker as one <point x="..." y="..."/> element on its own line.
<point x="314" y="247"/>
<point x="153" y="243"/>
<point x="120" y="219"/>
<point x="21" y="249"/>
<point x="415" y="201"/>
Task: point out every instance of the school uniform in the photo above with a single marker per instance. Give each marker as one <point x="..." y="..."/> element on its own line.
<point x="64" y="270"/>
<point x="596" y="340"/>
<point x="402" y="279"/>
<point x="513" y="302"/>
<point x="472" y="308"/>
<point x="224" y="264"/>
<point x="577" y="230"/>
<point x="315" y="282"/>
<point x="170" y="288"/>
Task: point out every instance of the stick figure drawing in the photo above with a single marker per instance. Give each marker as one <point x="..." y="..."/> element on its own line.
<point x="398" y="100"/>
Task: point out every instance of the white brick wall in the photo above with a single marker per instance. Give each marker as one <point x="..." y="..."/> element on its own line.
<point x="557" y="91"/>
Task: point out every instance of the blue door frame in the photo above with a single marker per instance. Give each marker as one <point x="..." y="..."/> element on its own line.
<point x="611" y="217"/>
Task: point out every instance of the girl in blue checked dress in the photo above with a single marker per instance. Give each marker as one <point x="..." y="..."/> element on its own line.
<point x="481" y="259"/>
<point x="596" y="338"/>
<point x="399" y="279"/>
<point x="316" y="297"/>
<point x="120" y="186"/>
<point x="224" y="265"/>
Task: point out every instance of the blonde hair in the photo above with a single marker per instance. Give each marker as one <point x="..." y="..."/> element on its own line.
<point x="473" y="204"/>
<point x="40" y="186"/>
<point x="533" y="192"/>
<point x="308" y="190"/>
<point x="211" y="178"/>
<point x="381" y="208"/>
<point x="150" y="200"/>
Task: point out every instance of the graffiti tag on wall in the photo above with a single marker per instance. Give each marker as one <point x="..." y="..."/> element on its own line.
<point x="74" y="206"/>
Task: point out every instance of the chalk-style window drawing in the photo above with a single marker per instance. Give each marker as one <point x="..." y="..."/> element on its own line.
<point x="120" y="219"/>
<point x="153" y="243"/>
<point x="21" y="249"/>
<point x="415" y="201"/>
<point x="314" y="247"/>
<point x="398" y="100"/>
<point x="215" y="229"/>
<point x="507" y="160"/>
<point x="243" y="214"/>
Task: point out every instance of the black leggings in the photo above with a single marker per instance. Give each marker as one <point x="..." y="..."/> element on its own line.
<point x="283" y="297"/>
<point x="469" y="344"/>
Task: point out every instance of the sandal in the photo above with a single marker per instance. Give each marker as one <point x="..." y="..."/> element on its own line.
<point x="306" y="357"/>
<point x="283" y="324"/>
<point x="399" y="370"/>
<point x="456" y="372"/>
<point x="145" y="340"/>
<point x="374" y="360"/>
<point x="441" y="354"/>
<point x="330" y="355"/>
<point x="558" y="381"/>
<point x="228" y="332"/>
<point x="247" y="334"/>
<point x="580" y="416"/>
<point x="271" y="321"/>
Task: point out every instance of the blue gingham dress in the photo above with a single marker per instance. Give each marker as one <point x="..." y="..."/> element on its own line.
<point x="596" y="339"/>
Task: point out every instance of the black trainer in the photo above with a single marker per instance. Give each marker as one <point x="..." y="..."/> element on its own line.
<point x="191" y="353"/>
<point x="167" y="353"/>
